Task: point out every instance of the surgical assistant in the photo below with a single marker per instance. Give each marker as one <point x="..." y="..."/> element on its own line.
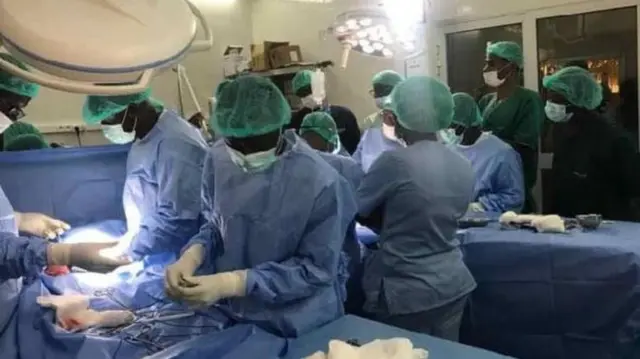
<point x="595" y="166"/>
<point x="381" y="86"/>
<point x="276" y="224"/>
<point x="311" y="102"/>
<point x="161" y="196"/>
<point x="379" y="137"/>
<point x="26" y="256"/>
<point x="420" y="192"/>
<point x="15" y="95"/>
<point x="499" y="184"/>
<point x="320" y="131"/>
<point x="513" y="113"/>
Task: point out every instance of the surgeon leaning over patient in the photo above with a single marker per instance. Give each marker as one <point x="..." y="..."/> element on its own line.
<point x="379" y="135"/>
<point x="499" y="185"/>
<point x="164" y="169"/>
<point x="277" y="215"/>
<point x="595" y="166"/>
<point x="321" y="132"/>
<point x="413" y="197"/>
<point x="15" y="95"/>
<point x="513" y="113"/>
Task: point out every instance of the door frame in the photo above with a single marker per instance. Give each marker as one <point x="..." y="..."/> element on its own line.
<point x="529" y="20"/>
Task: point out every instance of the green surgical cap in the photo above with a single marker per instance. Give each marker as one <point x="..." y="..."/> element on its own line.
<point x="507" y="50"/>
<point x="466" y="112"/>
<point x="16" y="84"/>
<point x="23" y="136"/>
<point x="301" y="79"/>
<point x="25" y="143"/>
<point x="388" y="78"/>
<point x="99" y="108"/>
<point x="321" y="123"/>
<point x="221" y="86"/>
<point x="577" y="85"/>
<point x="422" y="104"/>
<point x="250" y="106"/>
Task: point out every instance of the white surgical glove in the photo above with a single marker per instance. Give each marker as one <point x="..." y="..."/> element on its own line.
<point x="476" y="207"/>
<point x="190" y="260"/>
<point x="206" y="290"/>
<point x="84" y="255"/>
<point x="40" y="225"/>
<point x="549" y="224"/>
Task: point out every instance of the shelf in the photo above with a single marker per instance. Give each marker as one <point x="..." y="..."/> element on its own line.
<point x="289" y="70"/>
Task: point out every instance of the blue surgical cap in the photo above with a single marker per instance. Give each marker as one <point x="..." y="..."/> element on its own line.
<point x="507" y="50"/>
<point x="15" y="84"/>
<point x="250" y="106"/>
<point x="422" y="104"/>
<point x="466" y="112"/>
<point x="577" y="85"/>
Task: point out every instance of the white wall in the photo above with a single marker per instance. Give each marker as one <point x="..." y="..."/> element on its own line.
<point x="303" y="24"/>
<point x="230" y="21"/>
<point x="463" y="10"/>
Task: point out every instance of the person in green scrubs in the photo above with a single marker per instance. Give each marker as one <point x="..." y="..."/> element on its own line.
<point x="513" y="113"/>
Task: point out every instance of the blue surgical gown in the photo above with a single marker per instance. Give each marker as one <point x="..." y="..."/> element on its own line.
<point x="499" y="183"/>
<point x="423" y="190"/>
<point x="350" y="170"/>
<point x="286" y="225"/>
<point x="18" y="257"/>
<point x="372" y="144"/>
<point x="162" y="191"/>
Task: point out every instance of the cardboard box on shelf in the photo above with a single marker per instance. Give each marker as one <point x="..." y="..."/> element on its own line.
<point x="260" y="60"/>
<point x="282" y="56"/>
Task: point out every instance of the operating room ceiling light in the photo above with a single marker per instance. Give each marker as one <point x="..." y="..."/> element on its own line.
<point x="100" y="47"/>
<point x="370" y="32"/>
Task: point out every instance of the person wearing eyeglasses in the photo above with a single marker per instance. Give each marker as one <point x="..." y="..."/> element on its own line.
<point x="15" y="95"/>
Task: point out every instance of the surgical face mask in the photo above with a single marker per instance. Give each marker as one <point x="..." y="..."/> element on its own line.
<point x="492" y="79"/>
<point x="556" y="112"/>
<point x="310" y="102"/>
<point x="115" y="134"/>
<point x="253" y="162"/>
<point x="449" y="137"/>
<point x="380" y="101"/>
<point x="5" y="122"/>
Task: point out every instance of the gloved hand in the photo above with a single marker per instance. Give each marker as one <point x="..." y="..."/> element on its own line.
<point x="190" y="260"/>
<point x="89" y="256"/>
<point x="206" y="290"/>
<point x="40" y="225"/>
<point x="476" y="207"/>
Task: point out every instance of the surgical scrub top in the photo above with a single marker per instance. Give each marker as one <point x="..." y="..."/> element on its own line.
<point x="350" y="170"/>
<point x="422" y="190"/>
<point x="18" y="257"/>
<point x="286" y="224"/>
<point x="517" y="119"/>
<point x="372" y="145"/>
<point x="162" y="191"/>
<point x="499" y="184"/>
